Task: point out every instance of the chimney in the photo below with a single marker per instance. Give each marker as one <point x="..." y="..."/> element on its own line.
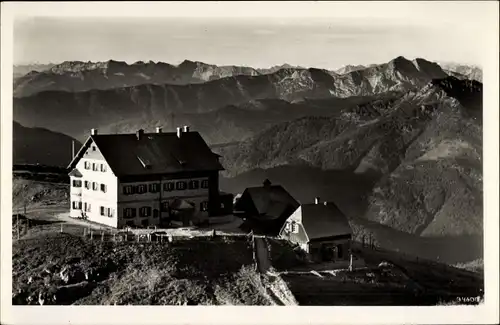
<point x="93" y="131"/>
<point x="72" y="149"/>
<point x="139" y="134"/>
<point x="179" y="132"/>
<point x="186" y="128"/>
<point x="158" y="130"/>
<point x="316" y="200"/>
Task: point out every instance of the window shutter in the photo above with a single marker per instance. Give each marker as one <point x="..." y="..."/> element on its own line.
<point x="149" y="211"/>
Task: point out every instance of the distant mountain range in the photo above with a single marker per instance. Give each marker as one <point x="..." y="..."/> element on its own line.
<point x="73" y="113"/>
<point x="23" y="69"/>
<point x="76" y="76"/>
<point x="458" y="70"/>
<point x="350" y="68"/>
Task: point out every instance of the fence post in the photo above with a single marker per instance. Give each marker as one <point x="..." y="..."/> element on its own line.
<point x="61" y="228"/>
<point x="17" y="225"/>
<point x="102" y="235"/>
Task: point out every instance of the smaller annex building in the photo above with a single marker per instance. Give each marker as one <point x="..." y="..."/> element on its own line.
<point x="321" y="230"/>
<point x="265" y="208"/>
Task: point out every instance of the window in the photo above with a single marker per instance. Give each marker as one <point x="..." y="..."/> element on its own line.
<point x="77" y="205"/>
<point x="129" y="212"/>
<point x="87" y="207"/>
<point x="128" y="190"/>
<point x="86" y="165"/>
<point x="204" y="206"/>
<point x="340" y="252"/>
<point x="77" y="183"/>
<point x="94" y="167"/>
<point x="93" y="148"/>
<point x="179" y="186"/>
<point x="87" y="184"/>
<point x="109" y="212"/>
<point x="287" y="227"/>
<point x="103" y="211"/>
<point x="103" y="168"/>
<point x="141" y="189"/>
<point x="193" y="185"/>
<point x="204" y="183"/>
<point x="295" y="228"/>
<point x="156" y="213"/>
<point x="164" y="206"/>
<point x="154" y="188"/>
<point x="145" y="212"/>
<point x="95" y="186"/>
<point x="103" y="188"/>
<point x="169" y="186"/>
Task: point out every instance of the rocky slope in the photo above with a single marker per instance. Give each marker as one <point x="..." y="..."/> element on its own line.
<point x="63" y="269"/>
<point x="38" y="145"/>
<point x="424" y="148"/>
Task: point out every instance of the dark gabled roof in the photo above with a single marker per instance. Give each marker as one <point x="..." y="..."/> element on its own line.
<point x="75" y="173"/>
<point x="322" y="221"/>
<point x="270" y="201"/>
<point x="153" y="153"/>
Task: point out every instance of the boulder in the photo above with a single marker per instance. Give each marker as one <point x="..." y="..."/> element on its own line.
<point x="72" y="274"/>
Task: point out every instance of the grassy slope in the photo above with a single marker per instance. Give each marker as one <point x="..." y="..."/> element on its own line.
<point x="190" y="272"/>
<point x="42" y="146"/>
<point x="38" y="194"/>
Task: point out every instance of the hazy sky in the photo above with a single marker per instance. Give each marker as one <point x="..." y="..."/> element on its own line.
<point x="328" y="42"/>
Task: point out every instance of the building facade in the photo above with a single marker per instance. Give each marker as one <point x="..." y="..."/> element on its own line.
<point x="321" y="230"/>
<point x="146" y="179"/>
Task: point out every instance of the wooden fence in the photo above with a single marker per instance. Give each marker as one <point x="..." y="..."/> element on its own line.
<point x="160" y="236"/>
